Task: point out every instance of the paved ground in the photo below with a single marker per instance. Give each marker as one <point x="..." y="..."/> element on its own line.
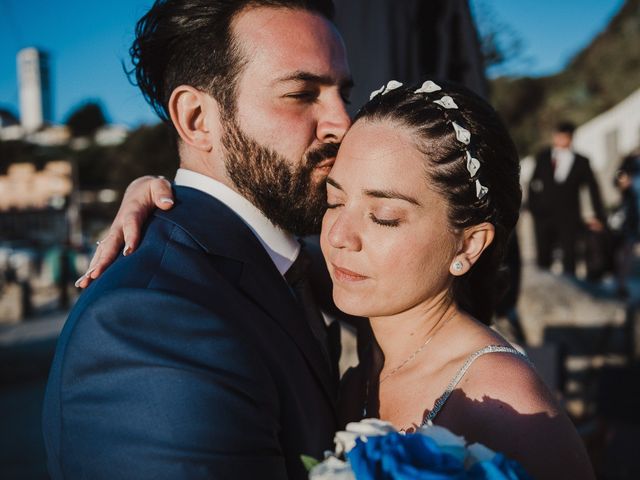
<point x="33" y="330"/>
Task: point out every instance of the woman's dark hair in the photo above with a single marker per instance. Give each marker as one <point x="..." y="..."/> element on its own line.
<point x="190" y="42"/>
<point x="478" y="291"/>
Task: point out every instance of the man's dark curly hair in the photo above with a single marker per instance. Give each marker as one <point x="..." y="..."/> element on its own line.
<point x="190" y="42"/>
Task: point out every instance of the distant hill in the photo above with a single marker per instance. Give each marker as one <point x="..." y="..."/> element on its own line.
<point x="599" y="77"/>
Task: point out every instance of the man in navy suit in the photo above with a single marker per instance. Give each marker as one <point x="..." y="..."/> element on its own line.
<point x="195" y="356"/>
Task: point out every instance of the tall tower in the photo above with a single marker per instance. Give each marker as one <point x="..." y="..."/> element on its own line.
<point x="35" y="88"/>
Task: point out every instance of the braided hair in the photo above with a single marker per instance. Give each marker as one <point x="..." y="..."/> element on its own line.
<point x="456" y="136"/>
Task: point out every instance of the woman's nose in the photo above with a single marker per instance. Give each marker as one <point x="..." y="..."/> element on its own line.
<point x="344" y="233"/>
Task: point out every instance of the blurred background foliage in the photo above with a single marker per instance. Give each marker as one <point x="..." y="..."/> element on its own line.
<point x="599" y="77"/>
<point x="148" y="150"/>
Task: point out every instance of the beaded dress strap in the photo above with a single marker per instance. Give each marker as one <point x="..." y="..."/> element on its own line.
<point x="452" y="385"/>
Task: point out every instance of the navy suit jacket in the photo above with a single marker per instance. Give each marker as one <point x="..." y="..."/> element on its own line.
<point x="189" y="358"/>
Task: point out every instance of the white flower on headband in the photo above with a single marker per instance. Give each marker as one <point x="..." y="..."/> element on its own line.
<point x="391" y="85"/>
<point x="428" y="87"/>
<point x="446" y="102"/>
<point x="473" y="164"/>
<point x="462" y="134"/>
<point x="481" y="190"/>
<point x="376" y="92"/>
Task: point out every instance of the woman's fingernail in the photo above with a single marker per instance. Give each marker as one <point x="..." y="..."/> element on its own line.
<point x="166" y="200"/>
<point x="86" y="275"/>
<point x="126" y="251"/>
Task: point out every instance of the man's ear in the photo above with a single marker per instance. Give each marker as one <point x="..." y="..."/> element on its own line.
<point x="195" y="115"/>
<point x="475" y="240"/>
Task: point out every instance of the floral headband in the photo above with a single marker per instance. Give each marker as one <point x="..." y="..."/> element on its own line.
<point x="462" y="134"/>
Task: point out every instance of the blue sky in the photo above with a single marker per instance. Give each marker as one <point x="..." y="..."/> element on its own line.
<point x="89" y="39"/>
<point x="552" y="31"/>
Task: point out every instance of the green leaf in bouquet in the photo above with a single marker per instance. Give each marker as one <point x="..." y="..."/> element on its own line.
<point x="309" y="462"/>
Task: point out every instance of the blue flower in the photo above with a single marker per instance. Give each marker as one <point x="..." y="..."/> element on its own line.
<point x="403" y="457"/>
<point x="374" y="450"/>
<point x="498" y="468"/>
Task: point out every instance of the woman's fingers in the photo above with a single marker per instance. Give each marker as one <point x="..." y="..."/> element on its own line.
<point x="141" y="197"/>
<point x="106" y="252"/>
<point x="131" y="227"/>
<point x="161" y="193"/>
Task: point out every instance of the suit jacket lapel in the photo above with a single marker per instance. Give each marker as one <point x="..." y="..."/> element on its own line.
<point x="219" y="231"/>
<point x="275" y="298"/>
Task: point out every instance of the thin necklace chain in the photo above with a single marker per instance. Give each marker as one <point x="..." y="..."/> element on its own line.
<point x="420" y="349"/>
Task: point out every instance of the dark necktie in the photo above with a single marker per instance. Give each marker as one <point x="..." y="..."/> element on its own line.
<point x="298" y="278"/>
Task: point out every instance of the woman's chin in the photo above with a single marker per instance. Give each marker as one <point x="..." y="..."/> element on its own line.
<point x="349" y="304"/>
<point x="356" y="305"/>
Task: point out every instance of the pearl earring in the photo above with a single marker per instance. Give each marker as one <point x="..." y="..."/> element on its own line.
<point x="457" y="266"/>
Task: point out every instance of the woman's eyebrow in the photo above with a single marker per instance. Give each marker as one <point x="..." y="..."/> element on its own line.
<point x="392" y="194"/>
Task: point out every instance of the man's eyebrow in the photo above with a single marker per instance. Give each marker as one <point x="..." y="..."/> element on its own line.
<point x="392" y="194"/>
<point x="302" y="76"/>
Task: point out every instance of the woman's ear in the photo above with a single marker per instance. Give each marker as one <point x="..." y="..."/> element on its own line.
<point x="475" y="240"/>
<point x="195" y="115"/>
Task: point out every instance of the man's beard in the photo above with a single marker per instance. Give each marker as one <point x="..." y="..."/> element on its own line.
<point x="285" y="193"/>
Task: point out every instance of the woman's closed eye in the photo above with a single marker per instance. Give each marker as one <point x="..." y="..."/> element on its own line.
<point x="385" y="222"/>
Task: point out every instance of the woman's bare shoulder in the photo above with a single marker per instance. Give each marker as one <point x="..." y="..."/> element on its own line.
<point x="509" y="378"/>
<point x="503" y="403"/>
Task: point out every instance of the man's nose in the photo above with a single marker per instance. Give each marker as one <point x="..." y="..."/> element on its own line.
<point x="334" y="121"/>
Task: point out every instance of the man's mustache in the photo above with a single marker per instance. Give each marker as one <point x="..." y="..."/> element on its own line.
<point x="322" y="153"/>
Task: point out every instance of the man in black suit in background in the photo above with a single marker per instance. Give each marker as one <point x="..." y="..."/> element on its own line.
<point x="554" y="199"/>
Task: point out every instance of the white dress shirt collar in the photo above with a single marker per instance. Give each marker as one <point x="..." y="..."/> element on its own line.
<point x="282" y="247"/>
<point x="564" y="158"/>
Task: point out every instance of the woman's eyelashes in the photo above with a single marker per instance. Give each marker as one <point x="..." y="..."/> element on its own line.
<point x="379" y="214"/>
<point x="385" y="222"/>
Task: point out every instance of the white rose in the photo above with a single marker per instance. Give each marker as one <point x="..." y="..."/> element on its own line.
<point x="369" y="427"/>
<point x="331" y="469"/>
<point x="478" y="453"/>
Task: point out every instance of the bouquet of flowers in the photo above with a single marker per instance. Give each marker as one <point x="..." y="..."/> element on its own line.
<point x="373" y="449"/>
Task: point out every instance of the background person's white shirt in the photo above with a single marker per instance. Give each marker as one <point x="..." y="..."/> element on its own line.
<point x="564" y="158"/>
<point x="282" y="247"/>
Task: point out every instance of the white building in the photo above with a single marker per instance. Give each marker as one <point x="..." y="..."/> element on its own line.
<point x="35" y="88"/>
<point x="111" y="135"/>
<point x="607" y="138"/>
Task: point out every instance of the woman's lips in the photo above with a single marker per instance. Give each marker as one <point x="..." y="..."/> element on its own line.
<point x="346" y="275"/>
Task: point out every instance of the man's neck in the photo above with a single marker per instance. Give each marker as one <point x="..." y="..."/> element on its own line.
<point x="281" y="246"/>
<point x="212" y="169"/>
